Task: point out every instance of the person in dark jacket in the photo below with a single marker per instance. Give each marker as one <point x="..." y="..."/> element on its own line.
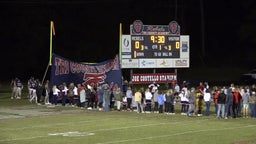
<point x="191" y="101"/>
<point x="221" y="104"/>
<point x="229" y="104"/>
<point x="169" y="101"/>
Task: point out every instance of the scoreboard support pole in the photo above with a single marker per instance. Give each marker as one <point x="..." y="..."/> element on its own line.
<point x="131" y="72"/>
<point x="154" y="70"/>
<point x="176" y="72"/>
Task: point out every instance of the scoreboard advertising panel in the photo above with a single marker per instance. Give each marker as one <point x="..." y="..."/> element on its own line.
<point x="155" y="46"/>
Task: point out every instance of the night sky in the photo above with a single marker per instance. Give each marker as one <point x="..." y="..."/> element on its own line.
<point x="222" y="32"/>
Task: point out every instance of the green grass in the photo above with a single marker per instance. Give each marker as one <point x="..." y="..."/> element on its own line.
<point x="28" y="123"/>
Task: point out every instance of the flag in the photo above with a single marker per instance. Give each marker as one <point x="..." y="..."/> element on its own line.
<point x="53" y="29"/>
<point x="120" y="42"/>
<point x="52" y="33"/>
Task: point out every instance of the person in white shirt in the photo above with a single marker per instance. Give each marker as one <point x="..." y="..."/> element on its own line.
<point x="55" y="92"/>
<point x="184" y="102"/>
<point x="176" y="88"/>
<point x="153" y="87"/>
<point x="207" y="100"/>
<point x="148" y="96"/>
<point x="76" y="99"/>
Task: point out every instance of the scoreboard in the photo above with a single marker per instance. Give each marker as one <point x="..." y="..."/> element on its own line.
<point x="154" y="46"/>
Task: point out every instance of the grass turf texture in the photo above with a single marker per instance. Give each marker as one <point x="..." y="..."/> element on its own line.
<point x="22" y="122"/>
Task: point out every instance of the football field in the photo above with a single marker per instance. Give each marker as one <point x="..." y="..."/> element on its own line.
<point x="22" y="122"/>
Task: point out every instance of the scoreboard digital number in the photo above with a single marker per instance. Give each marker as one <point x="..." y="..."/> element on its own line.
<point x="155" y="46"/>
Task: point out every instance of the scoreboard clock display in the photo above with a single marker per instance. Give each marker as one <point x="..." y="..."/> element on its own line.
<point x="155" y="46"/>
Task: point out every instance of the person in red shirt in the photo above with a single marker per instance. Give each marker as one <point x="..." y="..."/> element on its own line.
<point x="215" y="97"/>
<point x="237" y="102"/>
<point x="201" y="87"/>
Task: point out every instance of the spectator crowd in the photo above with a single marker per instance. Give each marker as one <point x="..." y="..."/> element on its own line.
<point x="227" y="102"/>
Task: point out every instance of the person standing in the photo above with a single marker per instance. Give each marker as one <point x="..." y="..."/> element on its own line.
<point x="221" y="104"/>
<point x="81" y="96"/>
<point x="76" y="100"/>
<point x="100" y="92"/>
<point x="161" y="100"/>
<point x="191" y="101"/>
<point x="153" y="87"/>
<point x="229" y="104"/>
<point x="216" y="93"/>
<point x="236" y="104"/>
<point x="252" y="106"/>
<point x="201" y="87"/>
<point x="184" y="102"/>
<point x="13" y="87"/>
<point x="169" y="101"/>
<point x="112" y="98"/>
<point x="207" y="100"/>
<point x="148" y="97"/>
<point x="19" y="87"/>
<point x="55" y="92"/>
<point x="91" y="97"/>
<point x="199" y="102"/>
<point x="129" y="98"/>
<point x="176" y="89"/>
<point x="124" y="103"/>
<point x="46" y="93"/>
<point x="137" y="99"/>
<point x="155" y="99"/>
<point x="70" y="94"/>
<point x="30" y="82"/>
<point x="118" y="95"/>
<point x="39" y="92"/>
<point x="106" y="97"/>
<point x="33" y="86"/>
<point x="64" y="91"/>
<point x="245" y="99"/>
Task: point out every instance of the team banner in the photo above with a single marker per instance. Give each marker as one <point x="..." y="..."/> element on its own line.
<point x="65" y="70"/>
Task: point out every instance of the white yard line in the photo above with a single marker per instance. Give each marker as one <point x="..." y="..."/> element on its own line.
<point x="57" y="124"/>
<point x="174" y="134"/>
<point x="120" y="128"/>
<point x="98" y="130"/>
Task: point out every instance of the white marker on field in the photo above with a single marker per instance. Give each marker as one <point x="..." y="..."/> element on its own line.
<point x="71" y="134"/>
